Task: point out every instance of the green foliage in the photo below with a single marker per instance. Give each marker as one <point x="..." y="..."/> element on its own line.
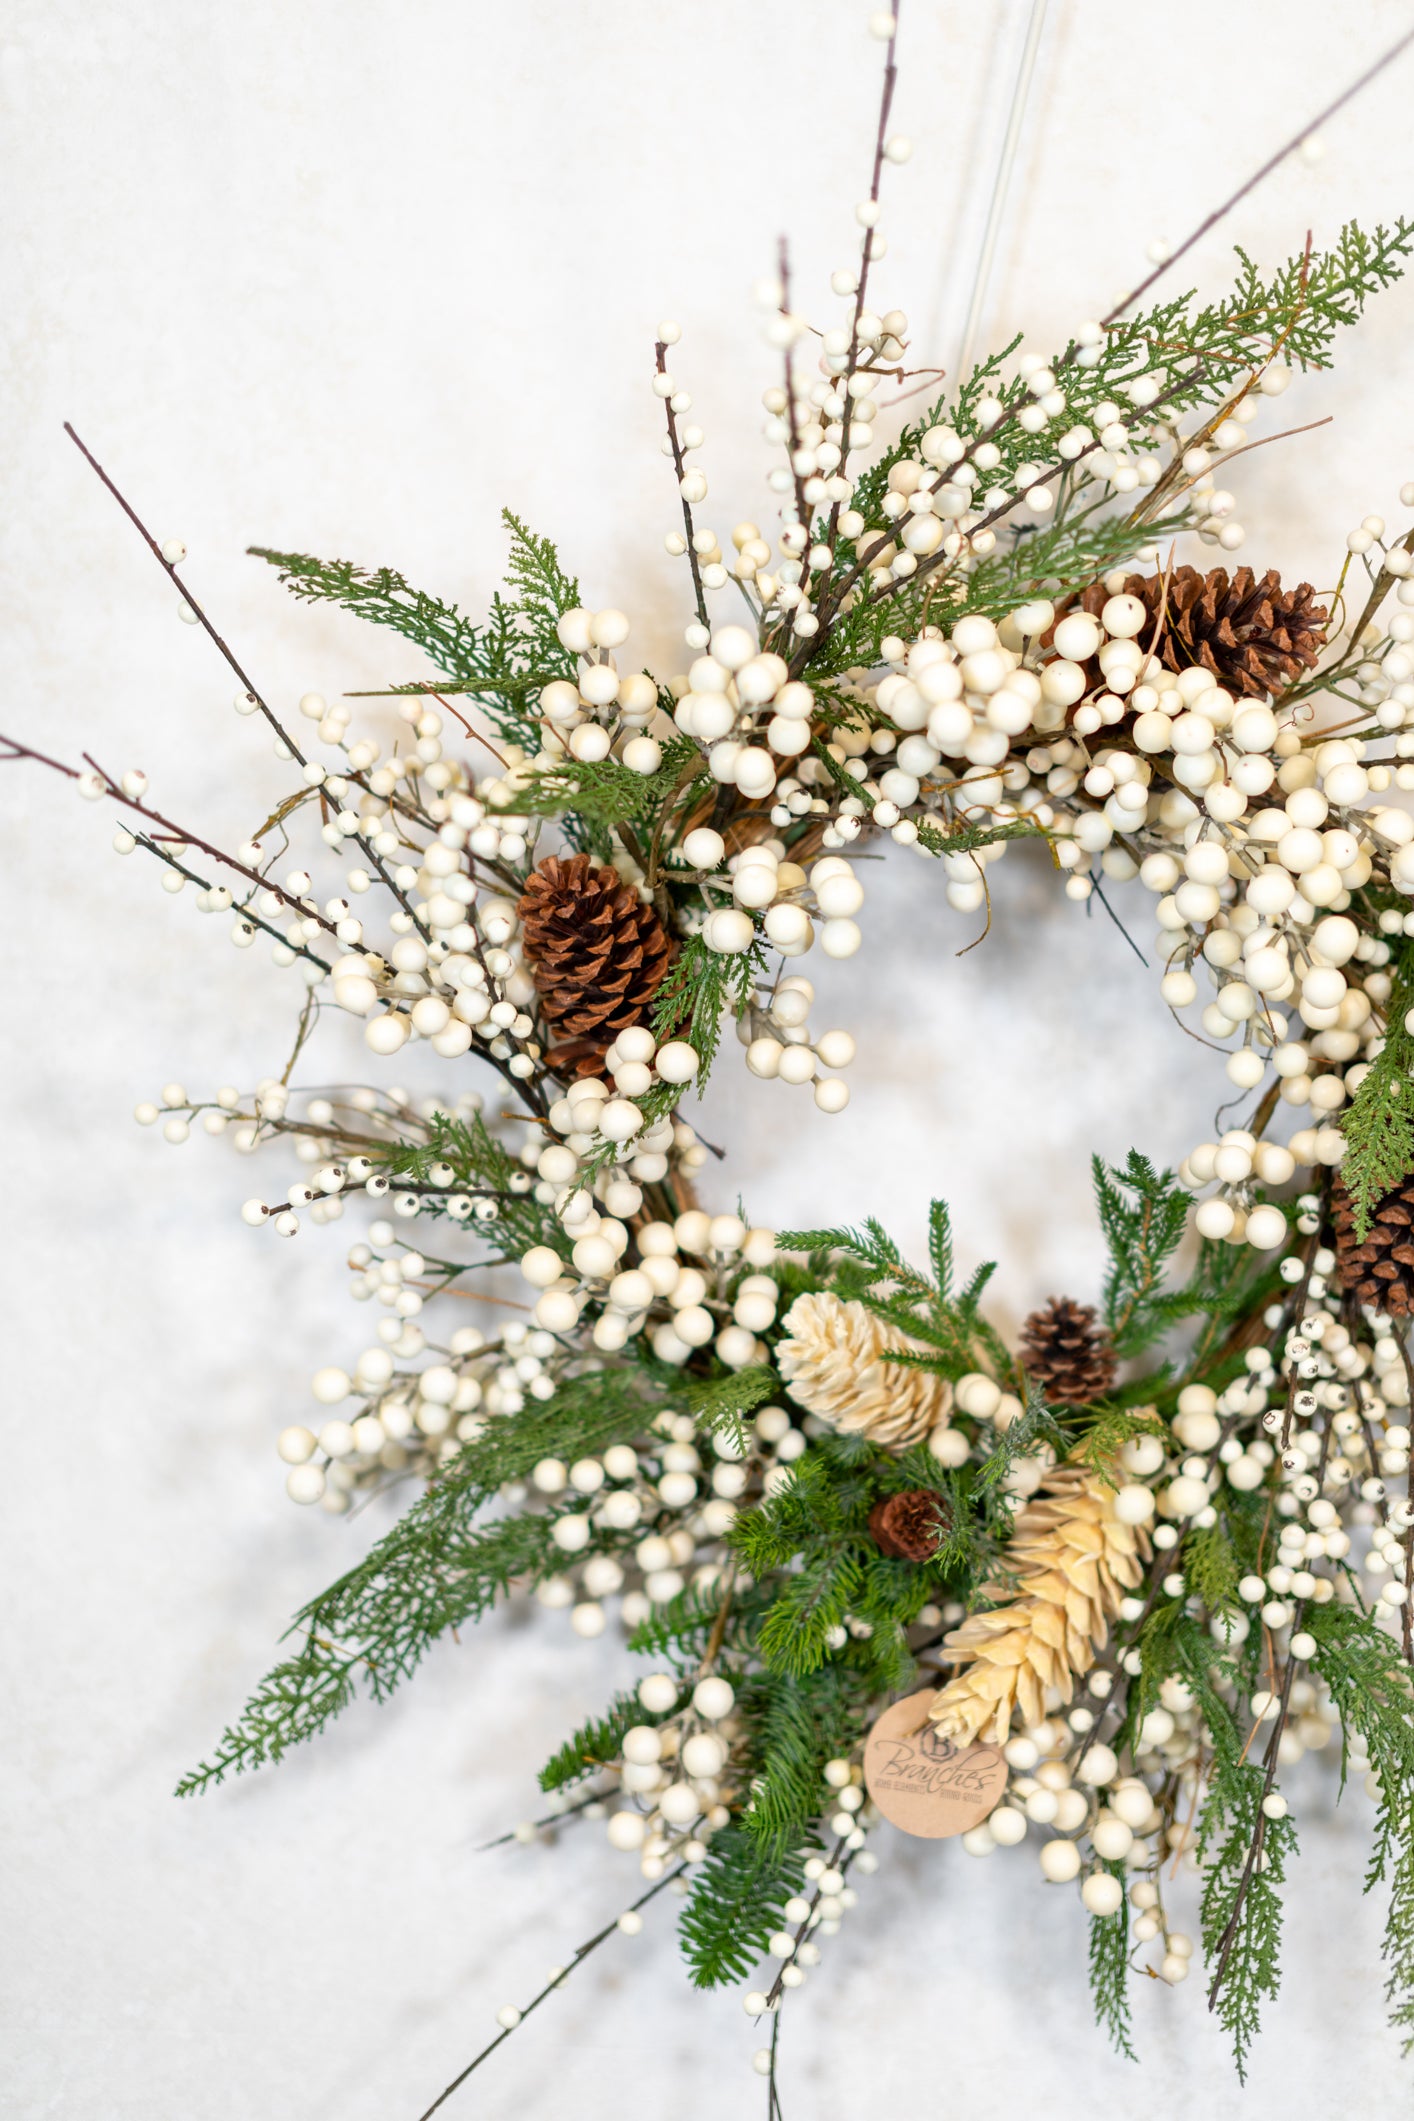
<point x="1370" y="1686"/>
<point x="435" y="1569"/>
<point x="375" y="1626"/>
<point x="595" y="1743"/>
<point x="1143" y="1213"/>
<point x="737" y="1901"/>
<point x="1241" y="1900"/>
<point x="955" y="1337"/>
<point x="1105" y="1435"/>
<point x="1109" y="1968"/>
<point x="809" y="1544"/>
<point x="718" y="1403"/>
<point x="1232" y="1818"/>
<point x="1035" y="1428"/>
<point x="1211" y="1568"/>
<point x="793" y="1724"/>
<point x="503" y="665"/>
<point x="1379" y="1126"/>
<point x="1192" y="356"/>
<point x="601" y="795"/>
<point x="701" y="984"/>
<point x="1062" y="559"/>
<point x="482" y="1167"/>
<point x="680" y="1629"/>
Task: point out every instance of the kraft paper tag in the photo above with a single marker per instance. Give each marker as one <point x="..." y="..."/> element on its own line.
<point x="922" y="1781"/>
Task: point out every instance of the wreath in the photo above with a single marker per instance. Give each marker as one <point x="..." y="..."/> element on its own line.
<point x="1094" y="1593"/>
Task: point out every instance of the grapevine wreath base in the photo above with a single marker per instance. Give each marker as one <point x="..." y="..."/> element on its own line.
<point x="1097" y="1592"/>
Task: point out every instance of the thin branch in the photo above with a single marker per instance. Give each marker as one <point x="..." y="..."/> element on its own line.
<point x="660" y="354"/>
<point x="169" y="569"/>
<point x="561" y="1975"/>
<point x="112" y="788"/>
<point x="1220" y="213"/>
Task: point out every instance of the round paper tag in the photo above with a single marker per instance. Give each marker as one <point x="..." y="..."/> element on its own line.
<point x="923" y="1782"/>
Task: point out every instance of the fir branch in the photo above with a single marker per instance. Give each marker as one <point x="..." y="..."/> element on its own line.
<point x="737" y="1902"/>
<point x="1105" y="1435"/>
<point x="1144" y="1214"/>
<point x="503" y="664"/>
<point x="597" y="1742"/>
<point x="794" y="1724"/>
<point x="717" y="1404"/>
<point x="809" y="1606"/>
<point x="681" y="1629"/>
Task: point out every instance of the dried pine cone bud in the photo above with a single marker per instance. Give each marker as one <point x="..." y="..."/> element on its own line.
<point x="1069" y="1562"/>
<point x="835" y="1362"/>
<point x="597" y="955"/>
<point x="1067" y="1353"/>
<point x="910" y="1526"/>
<point x="1253" y="635"/>
<point x="1380" y="1271"/>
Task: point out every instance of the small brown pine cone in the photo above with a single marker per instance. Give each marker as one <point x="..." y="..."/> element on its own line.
<point x="910" y="1526"/>
<point x="1253" y="635"/>
<point x="1379" y="1272"/>
<point x="1067" y="1353"/>
<point x="597" y="955"/>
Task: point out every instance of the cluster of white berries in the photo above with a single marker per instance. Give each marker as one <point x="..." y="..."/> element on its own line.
<point x="674" y="1772"/>
<point x="682" y="1283"/>
<point x="644" y="1522"/>
<point x="600" y="707"/>
<point x="613" y="1135"/>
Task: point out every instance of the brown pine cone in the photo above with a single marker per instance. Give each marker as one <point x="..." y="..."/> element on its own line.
<point x="1067" y="1353"/>
<point x="597" y="955"/>
<point x="1254" y="636"/>
<point x="1379" y="1272"/>
<point x="909" y="1527"/>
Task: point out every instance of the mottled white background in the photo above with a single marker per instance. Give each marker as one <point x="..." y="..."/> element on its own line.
<point x="349" y="277"/>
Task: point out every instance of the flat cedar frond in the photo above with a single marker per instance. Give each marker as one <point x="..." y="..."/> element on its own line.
<point x="432" y="1571"/>
<point x="1370" y="1685"/>
<point x="700" y="986"/>
<point x="605" y="792"/>
<point x="1192" y="356"/>
<point x="1211" y="1568"/>
<point x="1230" y="1818"/>
<point x="1067" y="557"/>
<point x="502" y="664"/>
<point x="1379" y="1126"/>
<point x="1109" y="1969"/>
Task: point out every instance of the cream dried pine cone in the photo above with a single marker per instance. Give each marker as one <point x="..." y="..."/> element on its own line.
<point x="1073" y="1561"/>
<point x="836" y="1364"/>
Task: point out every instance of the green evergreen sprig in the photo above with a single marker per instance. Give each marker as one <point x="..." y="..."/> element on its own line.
<point x="503" y="664"/>
<point x="1379" y="1126"/>
<point x="434" y="1570"/>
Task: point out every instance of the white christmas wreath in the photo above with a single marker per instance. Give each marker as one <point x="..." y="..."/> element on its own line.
<point x="878" y="1563"/>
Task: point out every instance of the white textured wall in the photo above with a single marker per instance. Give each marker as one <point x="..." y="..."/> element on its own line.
<point x="349" y="277"/>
